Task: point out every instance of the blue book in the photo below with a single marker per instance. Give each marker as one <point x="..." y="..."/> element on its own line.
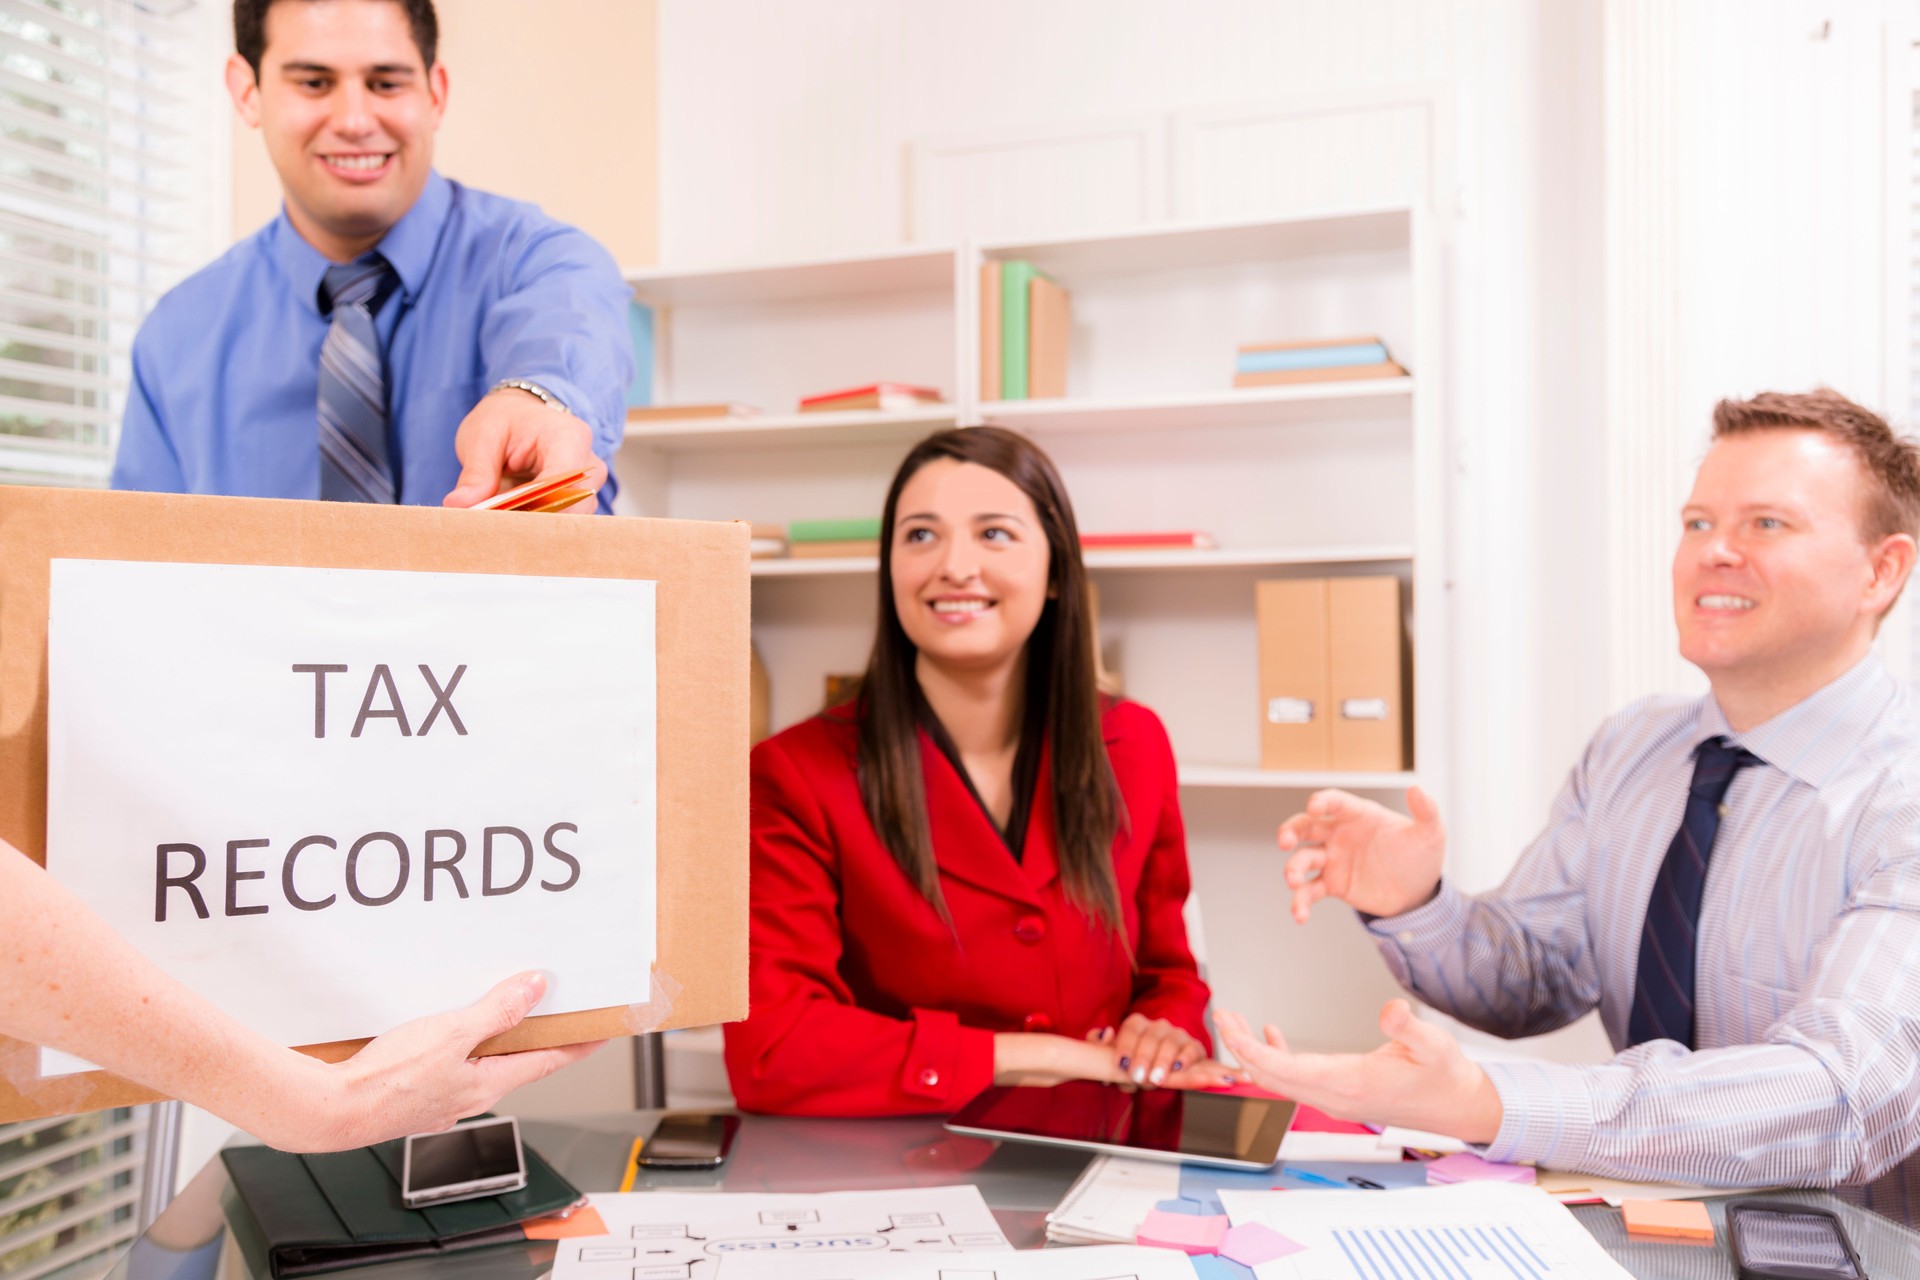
<point x="640" y="330"/>
<point x="1311" y="358"/>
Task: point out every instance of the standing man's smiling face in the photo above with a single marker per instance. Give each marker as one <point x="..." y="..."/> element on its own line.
<point x="348" y="110"/>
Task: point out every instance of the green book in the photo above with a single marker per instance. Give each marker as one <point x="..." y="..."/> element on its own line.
<point x="1015" y="277"/>
<point x="866" y="527"/>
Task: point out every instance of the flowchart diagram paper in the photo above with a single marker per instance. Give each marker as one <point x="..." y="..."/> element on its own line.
<point x="730" y="1236"/>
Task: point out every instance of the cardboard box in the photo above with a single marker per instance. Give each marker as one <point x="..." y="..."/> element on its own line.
<point x="701" y="571"/>
<point x="1294" y="716"/>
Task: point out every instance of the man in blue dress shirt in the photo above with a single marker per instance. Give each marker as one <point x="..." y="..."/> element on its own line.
<point x="1732" y="881"/>
<point x="392" y="335"/>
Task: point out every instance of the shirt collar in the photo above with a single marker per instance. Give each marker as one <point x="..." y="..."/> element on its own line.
<point x="409" y="246"/>
<point x="1811" y="739"/>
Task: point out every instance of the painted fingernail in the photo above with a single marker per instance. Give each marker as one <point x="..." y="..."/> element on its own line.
<point x="1178" y="1065"/>
<point x="1139" y="1075"/>
<point x="1159" y="1074"/>
<point x="1228" y="1080"/>
<point x="1124" y="1063"/>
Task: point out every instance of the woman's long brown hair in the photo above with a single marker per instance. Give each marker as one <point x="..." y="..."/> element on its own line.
<point x="1061" y="695"/>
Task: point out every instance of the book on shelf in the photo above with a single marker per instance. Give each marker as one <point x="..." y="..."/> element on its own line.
<point x="1340" y="373"/>
<point x="1025" y="324"/>
<point x="768" y="542"/>
<point x="1016" y="275"/>
<point x="1049" y="321"/>
<point x="1320" y="355"/>
<point x="1149" y="540"/>
<point x="890" y="397"/>
<point x="857" y="529"/>
<point x="990" y="329"/>
<point x="676" y="412"/>
<point x="1268" y="364"/>
<point x="837" y="550"/>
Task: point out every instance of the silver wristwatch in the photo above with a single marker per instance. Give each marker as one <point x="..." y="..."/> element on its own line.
<point x="531" y="388"/>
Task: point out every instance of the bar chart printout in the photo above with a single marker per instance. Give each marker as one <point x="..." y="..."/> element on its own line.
<point x="1473" y="1231"/>
<point x="1475" y="1252"/>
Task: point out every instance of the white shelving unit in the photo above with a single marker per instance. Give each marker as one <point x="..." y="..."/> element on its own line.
<point x="1295" y="480"/>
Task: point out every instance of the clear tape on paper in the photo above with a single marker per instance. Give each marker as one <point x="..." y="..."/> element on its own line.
<point x="642" y="1018"/>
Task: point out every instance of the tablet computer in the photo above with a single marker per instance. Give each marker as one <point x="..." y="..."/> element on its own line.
<point x="1228" y="1129"/>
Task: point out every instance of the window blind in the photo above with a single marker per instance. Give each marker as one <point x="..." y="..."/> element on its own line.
<point x="71" y="1192"/>
<point x="95" y="184"/>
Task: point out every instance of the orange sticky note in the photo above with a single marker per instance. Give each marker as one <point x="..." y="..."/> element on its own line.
<point x="584" y="1221"/>
<point x="1673" y="1219"/>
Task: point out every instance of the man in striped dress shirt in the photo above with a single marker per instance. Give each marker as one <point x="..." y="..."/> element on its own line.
<point x="1733" y="881"/>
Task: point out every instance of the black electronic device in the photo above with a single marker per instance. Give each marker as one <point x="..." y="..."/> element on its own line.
<point x="1787" y="1240"/>
<point x="688" y="1140"/>
<point x="474" y="1158"/>
<point x="1234" y="1130"/>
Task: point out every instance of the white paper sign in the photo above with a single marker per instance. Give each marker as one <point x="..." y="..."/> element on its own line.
<point x="333" y="800"/>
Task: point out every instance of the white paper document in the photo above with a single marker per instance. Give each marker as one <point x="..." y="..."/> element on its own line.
<point x="1308" y="1147"/>
<point x="333" y="800"/>
<point x="1473" y="1231"/>
<point x="717" y="1235"/>
<point x="1097" y="1262"/>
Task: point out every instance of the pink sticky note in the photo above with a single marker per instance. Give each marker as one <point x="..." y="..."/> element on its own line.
<point x="1464" y="1166"/>
<point x="1251" y="1244"/>
<point x="1189" y="1233"/>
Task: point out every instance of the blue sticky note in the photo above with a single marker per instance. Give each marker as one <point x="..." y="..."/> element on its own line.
<point x="1199" y="1182"/>
<point x="1189" y="1207"/>
<point x="1211" y="1266"/>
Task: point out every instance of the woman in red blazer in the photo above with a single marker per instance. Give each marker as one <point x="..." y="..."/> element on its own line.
<point x="974" y="873"/>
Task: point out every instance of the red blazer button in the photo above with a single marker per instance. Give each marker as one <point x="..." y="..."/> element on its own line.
<point x="929" y="1078"/>
<point x="1036" y="1022"/>
<point x="1030" y="928"/>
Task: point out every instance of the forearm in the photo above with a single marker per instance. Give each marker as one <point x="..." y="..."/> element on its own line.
<point x="1024" y="1057"/>
<point x="563" y="324"/>
<point x="1751" y="1115"/>
<point x="69" y="982"/>
<point x="1508" y="967"/>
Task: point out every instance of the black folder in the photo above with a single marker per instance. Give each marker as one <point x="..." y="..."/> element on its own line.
<point x="316" y="1213"/>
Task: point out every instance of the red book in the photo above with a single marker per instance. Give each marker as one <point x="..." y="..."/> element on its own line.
<point x="1134" y="541"/>
<point x="873" y="395"/>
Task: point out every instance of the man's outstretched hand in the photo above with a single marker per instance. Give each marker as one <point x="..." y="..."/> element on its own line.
<point x="1418" y="1079"/>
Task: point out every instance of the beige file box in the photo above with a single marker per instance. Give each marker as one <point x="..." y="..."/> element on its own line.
<point x="1294" y="719"/>
<point x="1366" y="680"/>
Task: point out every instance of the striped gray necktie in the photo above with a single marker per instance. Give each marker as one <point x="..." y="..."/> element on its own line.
<point x="353" y="389"/>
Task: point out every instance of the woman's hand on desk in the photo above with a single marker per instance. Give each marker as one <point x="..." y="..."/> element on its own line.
<point x="1152" y="1052"/>
<point x="420" y="1077"/>
<point x="1021" y="1057"/>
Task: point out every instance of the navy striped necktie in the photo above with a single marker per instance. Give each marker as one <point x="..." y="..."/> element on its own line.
<point x="354" y="466"/>
<point x="1664" y="984"/>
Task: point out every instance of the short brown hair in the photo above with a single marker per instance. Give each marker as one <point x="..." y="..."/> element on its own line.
<point x="250" y="29"/>
<point x="1891" y="462"/>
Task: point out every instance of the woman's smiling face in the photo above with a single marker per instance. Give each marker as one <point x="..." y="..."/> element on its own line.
<point x="970" y="565"/>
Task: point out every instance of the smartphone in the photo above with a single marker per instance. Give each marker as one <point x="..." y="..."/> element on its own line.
<point x="1786" y="1240"/>
<point x="688" y="1140"/>
<point x="480" y="1157"/>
